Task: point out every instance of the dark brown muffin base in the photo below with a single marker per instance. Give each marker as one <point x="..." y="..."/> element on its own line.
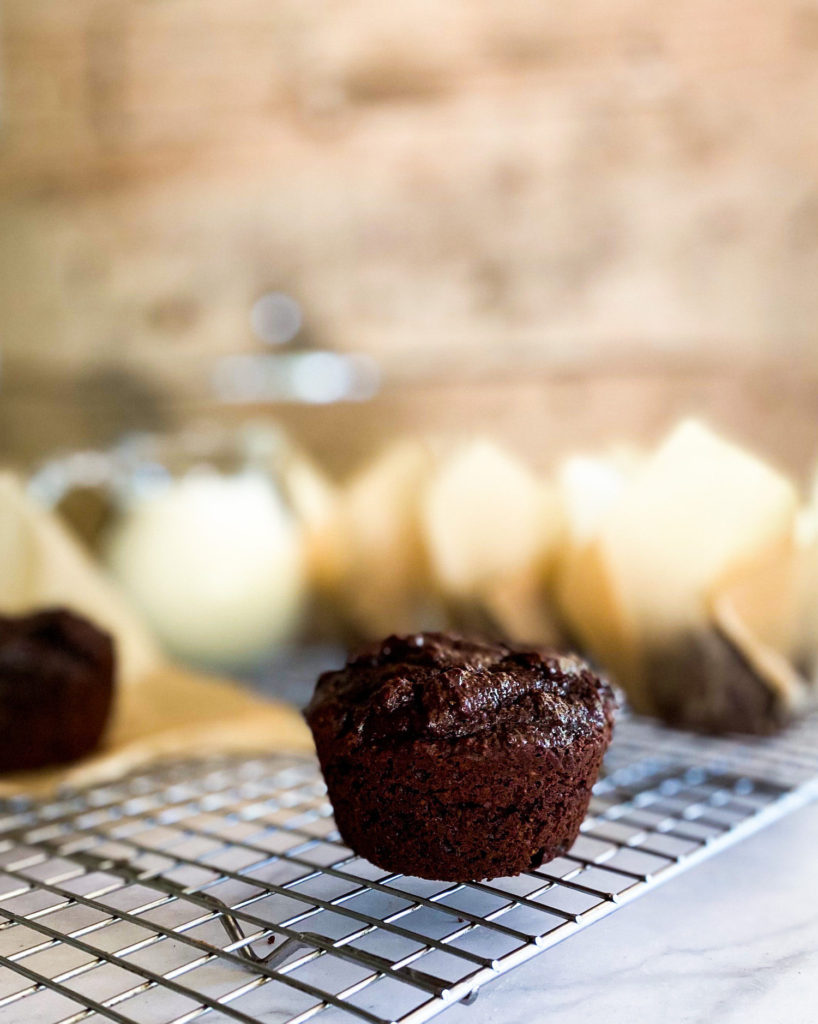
<point x="467" y="821"/>
<point x="704" y="684"/>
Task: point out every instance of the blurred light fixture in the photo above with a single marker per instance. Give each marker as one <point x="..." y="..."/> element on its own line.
<point x="276" y="318"/>
<point x="315" y="377"/>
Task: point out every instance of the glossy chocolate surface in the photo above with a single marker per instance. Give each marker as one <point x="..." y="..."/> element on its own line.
<point x="436" y="686"/>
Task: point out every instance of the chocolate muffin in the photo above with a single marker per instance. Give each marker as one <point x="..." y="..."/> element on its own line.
<point x="56" y="688"/>
<point x="458" y="760"/>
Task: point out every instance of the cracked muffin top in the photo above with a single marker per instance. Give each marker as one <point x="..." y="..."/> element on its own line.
<point x="441" y="687"/>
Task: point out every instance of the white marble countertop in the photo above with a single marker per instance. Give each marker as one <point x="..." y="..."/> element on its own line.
<point x="734" y="940"/>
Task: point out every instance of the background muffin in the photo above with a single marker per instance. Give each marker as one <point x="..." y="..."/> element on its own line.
<point x="56" y="688"/>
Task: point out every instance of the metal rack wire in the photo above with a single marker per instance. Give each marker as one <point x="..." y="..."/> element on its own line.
<point x="219" y="890"/>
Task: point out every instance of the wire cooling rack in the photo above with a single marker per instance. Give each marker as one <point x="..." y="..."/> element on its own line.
<point x="219" y="890"/>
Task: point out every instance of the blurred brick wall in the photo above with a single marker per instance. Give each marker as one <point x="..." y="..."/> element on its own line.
<point x="567" y="184"/>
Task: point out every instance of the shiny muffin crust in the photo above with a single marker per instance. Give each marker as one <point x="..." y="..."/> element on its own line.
<point x="456" y="759"/>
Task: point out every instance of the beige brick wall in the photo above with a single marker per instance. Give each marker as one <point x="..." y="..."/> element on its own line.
<point x="467" y="182"/>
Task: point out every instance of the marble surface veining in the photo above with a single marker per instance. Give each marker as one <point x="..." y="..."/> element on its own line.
<point x="733" y="940"/>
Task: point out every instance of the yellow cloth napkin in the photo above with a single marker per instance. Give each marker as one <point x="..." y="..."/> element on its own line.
<point x="160" y="710"/>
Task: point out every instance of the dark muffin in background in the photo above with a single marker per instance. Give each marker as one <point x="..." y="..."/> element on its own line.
<point x="459" y="760"/>
<point x="56" y="688"/>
